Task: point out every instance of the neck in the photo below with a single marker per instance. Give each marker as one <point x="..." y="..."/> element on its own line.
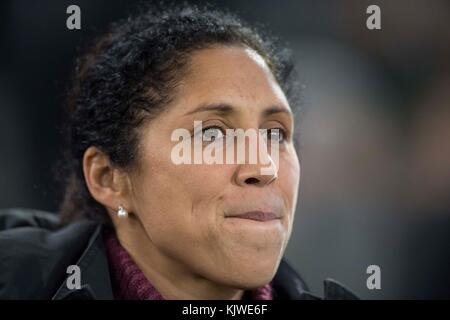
<point x="172" y="279"/>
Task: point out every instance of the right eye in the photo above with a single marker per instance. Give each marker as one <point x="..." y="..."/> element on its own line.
<point x="212" y="133"/>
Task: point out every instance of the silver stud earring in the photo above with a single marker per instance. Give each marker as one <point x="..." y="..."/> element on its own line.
<point x="122" y="213"/>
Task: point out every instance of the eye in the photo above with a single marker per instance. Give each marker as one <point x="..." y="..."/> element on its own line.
<point x="276" y="134"/>
<point x="212" y="133"/>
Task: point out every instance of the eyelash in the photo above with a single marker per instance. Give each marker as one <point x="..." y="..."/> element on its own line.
<point x="282" y="131"/>
<point x="213" y="127"/>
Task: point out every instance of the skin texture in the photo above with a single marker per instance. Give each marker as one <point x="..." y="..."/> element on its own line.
<point x="179" y="231"/>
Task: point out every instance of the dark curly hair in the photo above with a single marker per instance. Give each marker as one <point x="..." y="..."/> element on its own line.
<point x="129" y="76"/>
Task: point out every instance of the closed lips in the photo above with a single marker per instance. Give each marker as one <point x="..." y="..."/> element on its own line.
<point x="256" y="215"/>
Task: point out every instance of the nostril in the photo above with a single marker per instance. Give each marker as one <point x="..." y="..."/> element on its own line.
<point x="251" y="181"/>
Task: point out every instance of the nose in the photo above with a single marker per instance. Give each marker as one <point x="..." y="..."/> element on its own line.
<point x="251" y="174"/>
<point x="257" y="174"/>
<point x="261" y="172"/>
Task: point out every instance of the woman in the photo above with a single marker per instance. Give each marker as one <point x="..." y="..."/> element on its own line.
<point x="135" y="223"/>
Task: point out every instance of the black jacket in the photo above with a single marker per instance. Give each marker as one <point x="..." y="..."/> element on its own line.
<point x="35" y="254"/>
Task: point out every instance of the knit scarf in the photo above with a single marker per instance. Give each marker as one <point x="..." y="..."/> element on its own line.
<point x="130" y="283"/>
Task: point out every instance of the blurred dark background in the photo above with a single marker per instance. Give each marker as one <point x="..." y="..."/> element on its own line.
<point x="375" y="159"/>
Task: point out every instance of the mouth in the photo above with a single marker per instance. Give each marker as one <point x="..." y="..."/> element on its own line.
<point x="261" y="216"/>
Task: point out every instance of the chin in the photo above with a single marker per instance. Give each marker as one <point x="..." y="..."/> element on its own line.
<point x="253" y="274"/>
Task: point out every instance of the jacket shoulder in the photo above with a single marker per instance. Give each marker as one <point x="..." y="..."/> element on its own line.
<point x="35" y="252"/>
<point x="22" y="217"/>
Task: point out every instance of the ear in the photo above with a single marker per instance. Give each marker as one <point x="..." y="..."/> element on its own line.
<point x="107" y="184"/>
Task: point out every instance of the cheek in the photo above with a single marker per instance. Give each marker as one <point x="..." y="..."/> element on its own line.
<point x="208" y="183"/>
<point x="288" y="182"/>
<point x="160" y="200"/>
<point x="180" y="201"/>
<point x="289" y="174"/>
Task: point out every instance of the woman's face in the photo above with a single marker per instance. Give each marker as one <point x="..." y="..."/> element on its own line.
<point x="189" y="211"/>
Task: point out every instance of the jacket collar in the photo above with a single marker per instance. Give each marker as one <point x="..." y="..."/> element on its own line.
<point x="95" y="276"/>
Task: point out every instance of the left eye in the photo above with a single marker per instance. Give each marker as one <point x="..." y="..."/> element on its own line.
<point x="212" y="134"/>
<point x="277" y="134"/>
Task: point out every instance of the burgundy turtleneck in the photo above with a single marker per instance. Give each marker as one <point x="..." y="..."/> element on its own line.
<point x="130" y="283"/>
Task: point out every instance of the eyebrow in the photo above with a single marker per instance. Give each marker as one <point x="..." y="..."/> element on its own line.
<point x="275" y="109"/>
<point x="222" y="108"/>
<point x="226" y="109"/>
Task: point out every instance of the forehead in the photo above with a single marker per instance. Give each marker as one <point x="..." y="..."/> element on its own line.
<point x="235" y="75"/>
